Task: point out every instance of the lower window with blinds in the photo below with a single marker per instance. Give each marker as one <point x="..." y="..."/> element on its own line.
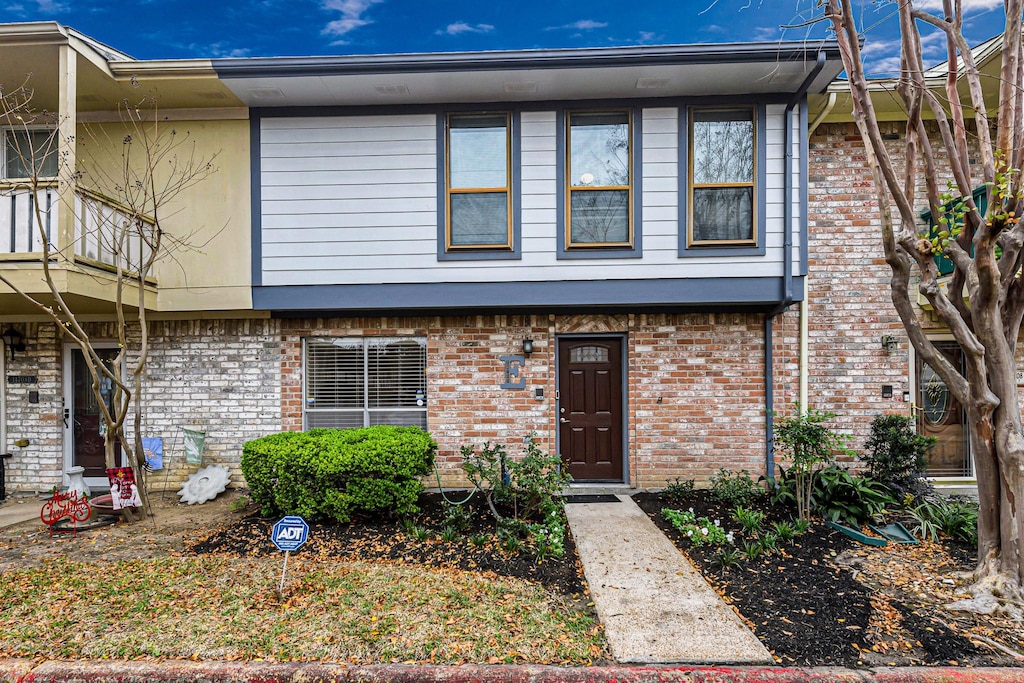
<point x="365" y="381"/>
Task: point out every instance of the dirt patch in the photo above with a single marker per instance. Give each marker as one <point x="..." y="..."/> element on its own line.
<point x="172" y="527"/>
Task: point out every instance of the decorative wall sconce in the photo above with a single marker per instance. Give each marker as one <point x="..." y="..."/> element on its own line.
<point x="13" y="340"/>
<point x="527" y="346"/>
<point x="889" y="343"/>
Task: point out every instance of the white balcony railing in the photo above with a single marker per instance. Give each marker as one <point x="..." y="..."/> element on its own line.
<point x="99" y="226"/>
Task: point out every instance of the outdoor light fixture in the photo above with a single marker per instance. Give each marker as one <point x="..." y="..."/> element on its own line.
<point x="13" y="340"/>
<point x="889" y="343"/>
<point x="527" y="346"/>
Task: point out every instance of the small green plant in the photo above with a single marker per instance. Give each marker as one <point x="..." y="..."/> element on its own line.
<point x="750" y="520"/>
<point x="417" y="532"/>
<point x="479" y="540"/>
<point x="241" y="504"/>
<point x="449" y="534"/>
<point x="734" y="488"/>
<point x="457" y="516"/>
<point x="752" y="549"/>
<point x="804" y="438"/>
<point x="956" y="518"/>
<point x="677" y="492"/>
<point x="699" y="531"/>
<point x="841" y="496"/>
<point x="769" y="542"/>
<point x="895" y="455"/>
<point x="511" y="544"/>
<point x="800" y="526"/>
<point x="784" y="530"/>
<point x="726" y="557"/>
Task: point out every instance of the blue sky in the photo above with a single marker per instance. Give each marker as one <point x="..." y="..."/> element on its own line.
<point x="166" y="29"/>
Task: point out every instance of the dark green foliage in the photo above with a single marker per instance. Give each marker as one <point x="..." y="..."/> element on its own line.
<point x="784" y="530"/>
<point x="332" y="474"/>
<point x="835" y="494"/>
<point x="726" y="557"/>
<point x="955" y="517"/>
<point x="750" y="520"/>
<point x="805" y="439"/>
<point x="677" y="492"/>
<point x="734" y="488"/>
<point x="896" y="456"/>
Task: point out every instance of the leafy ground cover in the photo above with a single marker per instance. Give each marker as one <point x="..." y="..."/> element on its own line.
<point x="372" y="591"/>
<point x="823" y="599"/>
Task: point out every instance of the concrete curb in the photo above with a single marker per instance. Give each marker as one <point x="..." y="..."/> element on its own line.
<point x="27" y="671"/>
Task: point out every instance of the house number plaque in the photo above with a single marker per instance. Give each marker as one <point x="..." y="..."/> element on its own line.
<point x="22" y="379"/>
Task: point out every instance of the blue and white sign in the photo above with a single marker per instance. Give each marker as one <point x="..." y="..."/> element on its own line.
<point x="290" y="533"/>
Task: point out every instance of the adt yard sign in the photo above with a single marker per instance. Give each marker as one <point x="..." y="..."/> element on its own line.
<point x="290" y="533"/>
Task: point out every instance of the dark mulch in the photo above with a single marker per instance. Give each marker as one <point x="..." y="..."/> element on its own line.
<point x="389" y="540"/>
<point x="807" y="605"/>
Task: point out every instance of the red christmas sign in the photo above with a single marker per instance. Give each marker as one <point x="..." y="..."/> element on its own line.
<point x="123" y="491"/>
<point x="65" y="506"/>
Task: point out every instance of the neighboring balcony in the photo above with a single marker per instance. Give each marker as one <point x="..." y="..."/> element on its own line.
<point x="84" y="250"/>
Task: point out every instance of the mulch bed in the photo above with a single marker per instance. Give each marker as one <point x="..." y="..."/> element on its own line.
<point x="388" y="540"/>
<point x="827" y="600"/>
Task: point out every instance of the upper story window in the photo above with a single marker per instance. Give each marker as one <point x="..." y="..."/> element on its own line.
<point x="721" y="177"/>
<point x="478" y="178"/>
<point x="28" y="152"/>
<point x="599" y="180"/>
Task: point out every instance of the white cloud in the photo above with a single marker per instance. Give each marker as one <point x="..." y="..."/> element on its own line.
<point x="351" y="15"/>
<point x="52" y="6"/>
<point x="458" y="27"/>
<point x="875" y="47"/>
<point x="765" y="33"/>
<point x="888" y="66"/>
<point x="581" y="25"/>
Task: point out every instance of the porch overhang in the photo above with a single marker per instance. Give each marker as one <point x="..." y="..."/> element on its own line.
<point x="86" y="290"/>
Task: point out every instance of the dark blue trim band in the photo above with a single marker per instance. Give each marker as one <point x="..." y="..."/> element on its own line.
<point x="256" y="197"/>
<point x="505" y="296"/>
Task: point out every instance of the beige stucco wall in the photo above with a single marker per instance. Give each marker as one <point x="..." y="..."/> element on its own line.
<point x="207" y="265"/>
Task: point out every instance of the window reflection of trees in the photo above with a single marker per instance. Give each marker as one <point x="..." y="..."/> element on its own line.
<point x="599" y="162"/>
<point x="723" y="175"/>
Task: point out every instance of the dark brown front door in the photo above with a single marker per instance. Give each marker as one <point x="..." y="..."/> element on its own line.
<point x="590" y="407"/>
<point x="86" y="418"/>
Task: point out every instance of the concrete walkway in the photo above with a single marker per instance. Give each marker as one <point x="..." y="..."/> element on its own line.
<point x="21" y="510"/>
<point x="655" y="607"/>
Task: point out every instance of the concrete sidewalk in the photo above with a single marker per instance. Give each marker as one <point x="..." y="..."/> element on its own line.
<point x="655" y="607"/>
<point x="21" y="510"/>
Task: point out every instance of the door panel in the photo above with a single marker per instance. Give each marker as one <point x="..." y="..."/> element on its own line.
<point x="941" y="416"/>
<point x="590" y="408"/>
<point x="85" y="416"/>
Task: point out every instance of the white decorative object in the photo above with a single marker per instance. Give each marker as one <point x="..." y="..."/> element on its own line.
<point x="76" y="481"/>
<point x="205" y="485"/>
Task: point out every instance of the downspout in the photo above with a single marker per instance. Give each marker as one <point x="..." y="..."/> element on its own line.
<point x="805" y="304"/>
<point x="787" y="263"/>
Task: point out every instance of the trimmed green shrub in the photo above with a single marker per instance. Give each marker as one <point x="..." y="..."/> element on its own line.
<point x="332" y="474"/>
<point x="896" y="456"/>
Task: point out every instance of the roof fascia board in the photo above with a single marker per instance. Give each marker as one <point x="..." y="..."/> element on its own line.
<point x="165" y="68"/>
<point x="263" y="67"/>
<point x="33" y="33"/>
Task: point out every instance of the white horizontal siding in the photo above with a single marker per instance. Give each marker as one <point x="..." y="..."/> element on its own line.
<point x="353" y="199"/>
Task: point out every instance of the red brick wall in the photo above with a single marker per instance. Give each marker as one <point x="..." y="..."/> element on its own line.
<point x="695" y="398"/>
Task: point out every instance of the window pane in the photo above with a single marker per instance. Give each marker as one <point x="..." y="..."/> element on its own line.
<point x="588" y="354"/>
<point x="477" y="151"/>
<point x="479" y="218"/>
<point x="397" y="369"/>
<point x="334" y="419"/>
<point x="723" y="146"/>
<point x="599" y="149"/>
<point x="600" y="216"/>
<point x="334" y="374"/>
<point x="723" y="213"/>
<point x="27" y="149"/>
<point x="399" y="418"/>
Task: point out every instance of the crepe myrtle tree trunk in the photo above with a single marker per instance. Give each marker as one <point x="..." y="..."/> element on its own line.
<point x="138" y="174"/>
<point x="983" y="303"/>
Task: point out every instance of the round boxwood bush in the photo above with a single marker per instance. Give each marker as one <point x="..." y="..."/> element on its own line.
<point x="333" y="474"/>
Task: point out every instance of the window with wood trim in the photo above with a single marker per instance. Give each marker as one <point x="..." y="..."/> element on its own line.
<point x="365" y="381"/>
<point x="721" y="177"/>
<point x="479" y="178"/>
<point x="28" y="152"/>
<point x="599" y="187"/>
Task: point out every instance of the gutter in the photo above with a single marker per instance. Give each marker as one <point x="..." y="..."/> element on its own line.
<point x="787" y="261"/>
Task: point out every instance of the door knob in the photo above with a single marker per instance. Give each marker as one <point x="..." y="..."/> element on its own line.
<point x="563" y="420"/>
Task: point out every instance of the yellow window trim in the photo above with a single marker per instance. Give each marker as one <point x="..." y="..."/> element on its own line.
<point x="569" y="189"/>
<point x="449" y="190"/>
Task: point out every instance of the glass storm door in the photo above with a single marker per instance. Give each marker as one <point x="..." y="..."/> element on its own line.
<point x="590" y="408"/>
<point x="83" y="420"/>
<point x="940" y="415"/>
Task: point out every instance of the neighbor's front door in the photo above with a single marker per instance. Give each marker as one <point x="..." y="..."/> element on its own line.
<point x="83" y="420"/>
<point x="590" y="407"/>
<point x="941" y="416"/>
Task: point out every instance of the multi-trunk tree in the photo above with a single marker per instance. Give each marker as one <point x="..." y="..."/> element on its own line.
<point x="955" y="142"/>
